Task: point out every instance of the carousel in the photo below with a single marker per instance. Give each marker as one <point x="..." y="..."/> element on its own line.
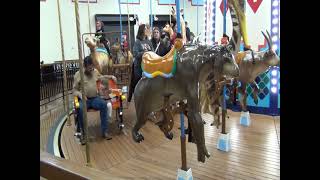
<point x="207" y="109"/>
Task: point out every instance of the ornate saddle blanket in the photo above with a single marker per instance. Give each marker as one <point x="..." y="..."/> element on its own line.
<point x="154" y="65"/>
<point x="103" y="50"/>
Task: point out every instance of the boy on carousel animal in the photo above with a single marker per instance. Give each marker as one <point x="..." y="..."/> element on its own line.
<point x="224" y="40"/>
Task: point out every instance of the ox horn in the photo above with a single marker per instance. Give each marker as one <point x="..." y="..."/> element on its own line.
<point x="267" y="40"/>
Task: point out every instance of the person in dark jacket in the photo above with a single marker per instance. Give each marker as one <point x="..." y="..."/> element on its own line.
<point x="141" y="46"/>
<point x="187" y="31"/>
<point x="160" y="45"/>
<point x="100" y="33"/>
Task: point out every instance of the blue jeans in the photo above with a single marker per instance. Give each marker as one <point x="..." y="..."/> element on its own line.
<point x="98" y="104"/>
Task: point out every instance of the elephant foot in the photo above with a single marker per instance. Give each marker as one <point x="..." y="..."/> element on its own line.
<point x="137" y="137"/>
<point x="202" y="156"/>
<point x="169" y="135"/>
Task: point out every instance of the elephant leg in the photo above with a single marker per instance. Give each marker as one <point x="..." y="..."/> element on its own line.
<point x="189" y="129"/>
<point x="136" y="135"/>
<point x="141" y="121"/>
<point x="198" y="132"/>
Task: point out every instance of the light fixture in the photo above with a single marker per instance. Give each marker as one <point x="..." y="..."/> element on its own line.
<point x="274" y="81"/>
<point x="274" y="38"/>
<point x="275" y="30"/>
<point x="275" y="12"/>
<point x="274" y="90"/>
<point x="274" y="47"/>
<point x="275" y="21"/>
<point x="275" y="3"/>
<point x="274" y="72"/>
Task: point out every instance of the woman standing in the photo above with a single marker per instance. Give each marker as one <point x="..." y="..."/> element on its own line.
<point x="160" y="45"/>
<point x="141" y="46"/>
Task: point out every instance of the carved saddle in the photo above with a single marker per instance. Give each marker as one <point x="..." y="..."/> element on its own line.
<point x="154" y="65"/>
<point x="240" y="56"/>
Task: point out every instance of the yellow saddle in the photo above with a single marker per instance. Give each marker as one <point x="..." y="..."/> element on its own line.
<point x="154" y="65"/>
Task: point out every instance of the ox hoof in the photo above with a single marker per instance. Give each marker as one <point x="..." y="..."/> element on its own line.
<point x="138" y="137"/>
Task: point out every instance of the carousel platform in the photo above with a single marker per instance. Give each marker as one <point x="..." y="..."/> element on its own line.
<point x="255" y="150"/>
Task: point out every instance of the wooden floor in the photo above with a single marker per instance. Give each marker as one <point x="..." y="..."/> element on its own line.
<point x="255" y="150"/>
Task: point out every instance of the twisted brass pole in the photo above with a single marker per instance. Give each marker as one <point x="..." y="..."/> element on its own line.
<point x="129" y="36"/>
<point x="84" y="101"/>
<point x="89" y="15"/>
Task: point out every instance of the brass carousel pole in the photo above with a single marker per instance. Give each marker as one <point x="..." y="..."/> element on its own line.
<point x="129" y="37"/>
<point x="84" y="101"/>
<point x="89" y="16"/>
<point x="170" y="13"/>
<point x="65" y="88"/>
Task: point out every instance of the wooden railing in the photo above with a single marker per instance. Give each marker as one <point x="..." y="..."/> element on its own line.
<point x="52" y="167"/>
<point x="51" y="78"/>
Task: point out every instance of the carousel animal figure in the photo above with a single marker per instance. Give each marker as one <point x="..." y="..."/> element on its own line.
<point x="249" y="71"/>
<point x="212" y="86"/>
<point x="168" y="29"/>
<point x="175" y="77"/>
<point x="182" y="23"/>
<point x="100" y="56"/>
<point x="121" y="55"/>
<point x="148" y="31"/>
<point x="251" y="64"/>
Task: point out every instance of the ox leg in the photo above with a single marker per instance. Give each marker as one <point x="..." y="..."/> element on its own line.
<point x="243" y="99"/>
<point x="255" y="92"/>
